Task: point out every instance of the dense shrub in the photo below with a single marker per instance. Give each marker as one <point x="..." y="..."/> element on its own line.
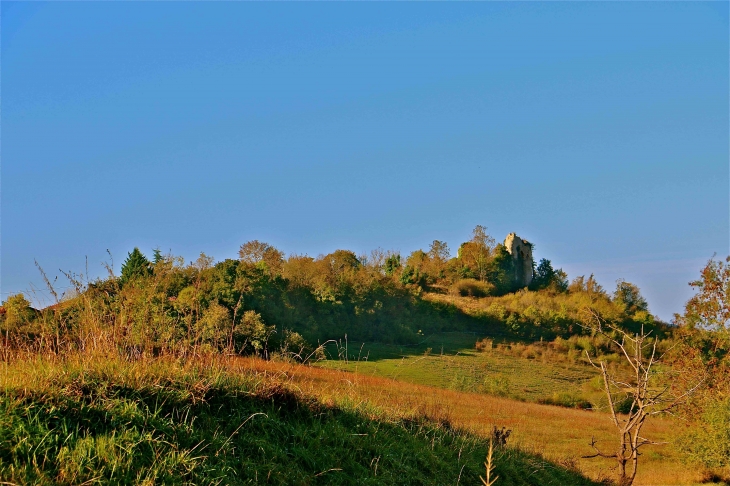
<point x="708" y="443"/>
<point x="567" y="400"/>
<point x="469" y="287"/>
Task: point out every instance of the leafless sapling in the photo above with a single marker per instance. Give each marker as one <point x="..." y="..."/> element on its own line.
<point x="642" y="387"/>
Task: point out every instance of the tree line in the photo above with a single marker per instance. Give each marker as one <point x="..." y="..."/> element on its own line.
<point x="265" y="301"/>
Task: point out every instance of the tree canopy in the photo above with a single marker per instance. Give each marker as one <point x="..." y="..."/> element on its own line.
<point x="709" y="308"/>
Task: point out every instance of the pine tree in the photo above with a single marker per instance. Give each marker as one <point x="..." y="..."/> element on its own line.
<point x="136" y="265"/>
<point x="392" y="264"/>
<point x="543" y="275"/>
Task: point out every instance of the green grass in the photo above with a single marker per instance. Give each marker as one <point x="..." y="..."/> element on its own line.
<point x="449" y="360"/>
<point x="108" y="422"/>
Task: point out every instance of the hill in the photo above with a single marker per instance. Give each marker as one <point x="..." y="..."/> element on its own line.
<point x="479" y="390"/>
<point x="532" y="346"/>
<point x="111" y="421"/>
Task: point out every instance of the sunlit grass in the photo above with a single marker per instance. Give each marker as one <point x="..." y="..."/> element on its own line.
<point x="105" y="420"/>
<point x="561" y="434"/>
<point x="464" y="369"/>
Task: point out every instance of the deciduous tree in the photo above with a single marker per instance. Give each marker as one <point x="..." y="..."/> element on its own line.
<point x="477" y="253"/>
<point x="709" y="308"/>
<point x="629" y="296"/>
<point x="17" y="311"/>
<point x="705" y="333"/>
<point x="262" y="254"/>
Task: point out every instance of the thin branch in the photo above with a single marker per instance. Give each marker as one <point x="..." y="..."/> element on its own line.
<point x="598" y="452"/>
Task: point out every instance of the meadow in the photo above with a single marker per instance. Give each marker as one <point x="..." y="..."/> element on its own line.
<point x="479" y="390"/>
<point x="105" y="420"/>
<point x="451" y="361"/>
<point x="558" y="434"/>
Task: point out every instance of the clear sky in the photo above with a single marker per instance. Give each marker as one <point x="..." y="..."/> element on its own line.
<point x="598" y="131"/>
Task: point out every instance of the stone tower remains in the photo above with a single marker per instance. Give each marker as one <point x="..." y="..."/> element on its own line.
<point x="521" y="251"/>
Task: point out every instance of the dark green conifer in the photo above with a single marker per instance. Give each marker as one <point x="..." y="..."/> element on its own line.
<point x="136" y="265"/>
<point x="543" y="275"/>
<point x="392" y="264"/>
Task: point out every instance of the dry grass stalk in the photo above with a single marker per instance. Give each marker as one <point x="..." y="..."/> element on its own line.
<point x="489" y="466"/>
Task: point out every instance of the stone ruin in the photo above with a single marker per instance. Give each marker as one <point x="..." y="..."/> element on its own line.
<point x="521" y="251"/>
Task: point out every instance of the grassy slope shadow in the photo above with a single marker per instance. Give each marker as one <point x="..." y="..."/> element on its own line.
<point x="101" y="433"/>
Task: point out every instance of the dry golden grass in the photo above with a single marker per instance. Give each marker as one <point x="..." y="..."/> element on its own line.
<point x="559" y="434"/>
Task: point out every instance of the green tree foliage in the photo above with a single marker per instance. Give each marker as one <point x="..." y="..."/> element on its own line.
<point x="301" y="271"/>
<point x="392" y="264"/>
<point x="426" y="269"/>
<point x="708" y="441"/>
<point x="709" y="308"/>
<point x="546" y="277"/>
<point x="136" y="265"/>
<point x="264" y="255"/>
<point x="203" y="305"/>
<point x="704" y="332"/>
<point x="212" y="328"/>
<point x="588" y="286"/>
<point x="500" y="271"/>
<point x="476" y="254"/>
<point x="416" y="269"/>
<point x="560" y="282"/>
<point x="629" y="296"/>
<point x="252" y="333"/>
<point x="17" y="312"/>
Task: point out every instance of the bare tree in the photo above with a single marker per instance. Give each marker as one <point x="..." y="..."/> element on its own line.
<point x="642" y="387"/>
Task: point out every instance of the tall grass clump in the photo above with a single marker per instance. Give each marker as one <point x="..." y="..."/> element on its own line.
<point x="469" y="287"/>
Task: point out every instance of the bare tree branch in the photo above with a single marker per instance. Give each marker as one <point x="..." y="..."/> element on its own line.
<point x="640" y="353"/>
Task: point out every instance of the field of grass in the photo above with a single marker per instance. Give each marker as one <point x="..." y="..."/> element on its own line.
<point x="560" y="434"/>
<point x="105" y="420"/>
<point x="449" y="360"/>
<point x="411" y="415"/>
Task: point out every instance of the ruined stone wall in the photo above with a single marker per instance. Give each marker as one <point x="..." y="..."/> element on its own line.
<point x="521" y="251"/>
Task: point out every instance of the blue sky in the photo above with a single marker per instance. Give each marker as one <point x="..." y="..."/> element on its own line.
<point x="599" y="131"/>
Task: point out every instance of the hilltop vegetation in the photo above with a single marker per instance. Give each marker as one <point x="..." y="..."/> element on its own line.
<point x="264" y="302"/>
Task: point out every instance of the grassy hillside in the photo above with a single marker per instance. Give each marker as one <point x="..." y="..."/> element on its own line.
<point x="561" y="435"/>
<point x="450" y="360"/>
<point x="150" y="409"/>
<point x="108" y="421"/>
